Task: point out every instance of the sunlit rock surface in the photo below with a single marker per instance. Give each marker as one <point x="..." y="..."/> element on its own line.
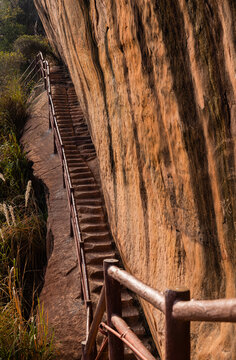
<point x="157" y="82"/>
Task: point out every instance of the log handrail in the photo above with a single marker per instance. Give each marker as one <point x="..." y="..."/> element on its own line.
<point x="135" y="346"/>
<point x="126" y="333"/>
<point x="154" y="297"/>
<point x="175" y="304"/>
<point x="221" y="310"/>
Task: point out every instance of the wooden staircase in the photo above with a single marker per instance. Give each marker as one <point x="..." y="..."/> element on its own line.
<point x="98" y="242"/>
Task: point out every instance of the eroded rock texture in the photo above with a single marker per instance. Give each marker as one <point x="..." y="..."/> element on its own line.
<point x="157" y="80"/>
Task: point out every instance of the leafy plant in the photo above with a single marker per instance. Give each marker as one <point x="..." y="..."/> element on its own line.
<point x="15" y="168"/>
<point x="30" y="45"/>
<point x="10" y="66"/>
<point x="13" y="106"/>
<point x="10" y="28"/>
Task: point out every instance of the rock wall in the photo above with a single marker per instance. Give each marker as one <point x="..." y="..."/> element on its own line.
<point x="157" y="81"/>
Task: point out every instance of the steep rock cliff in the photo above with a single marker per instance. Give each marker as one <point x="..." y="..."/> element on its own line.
<point x="157" y="82"/>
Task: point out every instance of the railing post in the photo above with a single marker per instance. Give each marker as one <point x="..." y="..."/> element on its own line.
<point x="71" y="227"/>
<point x="63" y="176"/>
<point x="97" y="318"/>
<point x="89" y="322"/>
<point x="82" y="291"/>
<point x="177" y="334"/>
<point x="83" y="343"/>
<point x="44" y="75"/>
<point x="54" y="144"/>
<point x="71" y="216"/>
<point x="49" y="124"/>
<point x="90" y="312"/>
<point x="113" y="306"/>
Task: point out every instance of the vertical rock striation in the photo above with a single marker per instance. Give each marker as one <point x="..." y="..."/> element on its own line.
<point x="157" y="81"/>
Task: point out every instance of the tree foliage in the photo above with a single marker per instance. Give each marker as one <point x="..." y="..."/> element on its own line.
<point x="10" y="27"/>
<point x="17" y="17"/>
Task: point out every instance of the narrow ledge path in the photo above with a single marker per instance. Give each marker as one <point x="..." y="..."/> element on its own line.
<point x="61" y="293"/>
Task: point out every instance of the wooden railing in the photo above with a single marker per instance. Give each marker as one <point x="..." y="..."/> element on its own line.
<point x="44" y="67"/>
<point x="175" y="304"/>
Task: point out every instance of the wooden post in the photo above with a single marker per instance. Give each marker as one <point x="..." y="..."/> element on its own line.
<point x="49" y="113"/>
<point x="82" y="291"/>
<point x="71" y="226"/>
<point x="71" y="217"/>
<point x="63" y="166"/>
<point x="91" y="342"/>
<point x="54" y="145"/>
<point x="87" y="356"/>
<point x="113" y="306"/>
<point x="63" y="176"/>
<point x="89" y="314"/>
<point x="44" y="76"/>
<point x="177" y="336"/>
<point x="93" y="353"/>
<point x="83" y="343"/>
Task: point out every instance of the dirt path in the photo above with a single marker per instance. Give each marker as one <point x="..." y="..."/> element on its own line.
<point x="61" y="293"/>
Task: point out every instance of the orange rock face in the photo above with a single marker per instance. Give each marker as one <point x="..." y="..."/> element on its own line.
<point x="157" y="80"/>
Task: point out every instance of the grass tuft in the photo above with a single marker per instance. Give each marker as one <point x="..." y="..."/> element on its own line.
<point x="22" y="339"/>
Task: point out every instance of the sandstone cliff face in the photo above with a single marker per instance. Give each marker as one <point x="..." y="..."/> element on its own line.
<point x="157" y="82"/>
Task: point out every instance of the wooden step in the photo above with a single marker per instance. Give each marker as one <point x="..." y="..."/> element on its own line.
<point x="91" y="219"/>
<point x="87" y="237"/>
<point x="81" y="175"/>
<point x="89" y="201"/>
<point x="94" y="210"/>
<point x="94" y="228"/>
<point x="89" y="194"/>
<point x="82" y="181"/>
<point x="98" y="247"/>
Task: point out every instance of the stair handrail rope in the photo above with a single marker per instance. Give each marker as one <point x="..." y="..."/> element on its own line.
<point x="33" y="62"/>
<point x="28" y="79"/>
<point x="76" y="232"/>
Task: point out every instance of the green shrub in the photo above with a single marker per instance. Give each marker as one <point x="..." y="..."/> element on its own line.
<point x="10" y="28"/>
<point x="14" y="167"/>
<point x="10" y="65"/>
<point x="30" y="45"/>
<point x="13" y="108"/>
